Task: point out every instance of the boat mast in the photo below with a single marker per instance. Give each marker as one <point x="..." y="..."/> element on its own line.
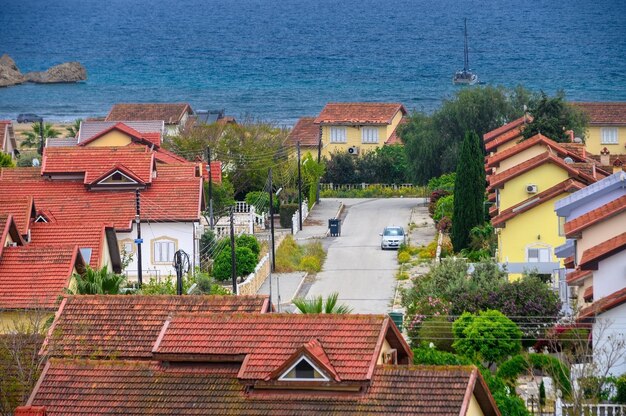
<point x="466" y="58"/>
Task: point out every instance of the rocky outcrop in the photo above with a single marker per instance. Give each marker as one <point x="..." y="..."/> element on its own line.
<point x="67" y="72"/>
<point x="9" y="73"/>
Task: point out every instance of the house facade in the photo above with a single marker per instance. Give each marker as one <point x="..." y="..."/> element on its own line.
<point x="176" y="116"/>
<point x="606" y="128"/>
<point x="358" y="127"/>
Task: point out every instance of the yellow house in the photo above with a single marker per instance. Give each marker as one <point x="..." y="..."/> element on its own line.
<point x="359" y="127"/>
<point x="528" y="179"/>
<point x="607" y="127"/>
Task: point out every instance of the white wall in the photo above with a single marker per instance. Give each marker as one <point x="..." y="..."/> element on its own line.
<point x="609" y="341"/>
<point x="610" y="276"/>
<point x="182" y="234"/>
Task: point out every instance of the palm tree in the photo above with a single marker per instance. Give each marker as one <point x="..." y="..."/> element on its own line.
<point x="97" y="282"/>
<point x="72" y="130"/>
<point x="319" y="305"/>
<point x="33" y="137"/>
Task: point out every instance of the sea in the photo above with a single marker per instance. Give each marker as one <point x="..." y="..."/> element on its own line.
<point x="278" y="60"/>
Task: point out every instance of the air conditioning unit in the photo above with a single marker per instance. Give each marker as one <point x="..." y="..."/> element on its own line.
<point x="353" y="150"/>
<point x="531" y="188"/>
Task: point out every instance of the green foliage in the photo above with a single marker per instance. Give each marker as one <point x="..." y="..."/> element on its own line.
<point x="620" y="389"/>
<point x="167" y="286"/>
<point x="444" y="208"/>
<point x="552" y="117"/>
<point x="206" y="286"/>
<point x="312" y="172"/>
<point x="469" y="192"/>
<point x="489" y="336"/>
<point x="432" y="356"/>
<point x="483" y="237"/>
<point x="25" y="160"/>
<point x="261" y="201"/>
<point x="386" y="164"/>
<point x="250" y="241"/>
<point x="523" y="364"/>
<point x="444" y="182"/>
<point x="286" y="214"/>
<point x="291" y="257"/>
<point x="245" y="262"/>
<point x="207" y="243"/>
<point x="6" y="161"/>
<point x="223" y="197"/>
<point x="74" y="128"/>
<point x="438" y="331"/>
<point x="97" y="282"/>
<point x="403" y="257"/>
<point x="376" y="191"/>
<point x="319" y="305"/>
<point x="33" y="138"/>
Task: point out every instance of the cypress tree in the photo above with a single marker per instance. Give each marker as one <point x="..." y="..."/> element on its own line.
<point x="469" y="191"/>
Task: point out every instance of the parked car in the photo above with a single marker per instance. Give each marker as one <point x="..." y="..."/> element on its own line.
<point x="28" y="118"/>
<point x="392" y="237"/>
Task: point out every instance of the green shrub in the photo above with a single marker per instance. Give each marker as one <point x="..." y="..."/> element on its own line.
<point x="404" y="257"/>
<point x="521" y="364"/>
<point x="376" y="191"/>
<point x="620" y="389"/>
<point x="291" y="257"/>
<point x="286" y="214"/>
<point x="245" y="262"/>
<point x="431" y="356"/>
<point x="250" y="241"/>
<point x="438" y="331"/>
<point x="261" y="201"/>
<point x="444" y="182"/>
<point x="444" y="208"/>
<point x="310" y="264"/>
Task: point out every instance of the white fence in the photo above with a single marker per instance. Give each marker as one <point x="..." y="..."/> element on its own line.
<point x="245" y="220"/>
<point x="563" y="409"/>
<point x="295" y="219"/>
<point x="348" y="186"/>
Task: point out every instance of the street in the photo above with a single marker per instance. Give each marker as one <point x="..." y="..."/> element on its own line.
<point x="356" y="267"/>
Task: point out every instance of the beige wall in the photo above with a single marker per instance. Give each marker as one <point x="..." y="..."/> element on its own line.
<point x="112" y="138"/>
<point x="594" y="145"/>
<point x="474" y="408"/>
<point x="386" y="347"/>
<point x="544" y="176"/>
<point x="507" y="145"/>
<point x="521" y="157"/>
<point x="11" y="321"/>
<point x="599" y="233"/>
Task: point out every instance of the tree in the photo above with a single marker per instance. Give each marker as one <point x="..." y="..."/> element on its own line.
<point x="341" y="168"/>
<point x="250" y="241"/>
<point x="489" y="336"/>
<point x="6" y="161"/>
<point x="469" y="192"/>
<point x="245" y="262"/>
<point x="312" y="173"/>
<point x="319" y="305"/>
<point x="223" y="198"/>
<point x="73" y="129"/>
<point x="553" y="117"/>
<point x="97" y="282"/>
<point x="424" y="149"/>
<point x="32" y="138"/>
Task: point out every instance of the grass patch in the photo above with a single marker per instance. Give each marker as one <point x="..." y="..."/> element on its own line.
<point x="291" y="257"/>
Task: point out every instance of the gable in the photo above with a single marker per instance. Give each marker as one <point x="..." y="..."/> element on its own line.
<point x="303" y="369"/>
<point x="544" y="176"/>
<point x="113" y="138"/>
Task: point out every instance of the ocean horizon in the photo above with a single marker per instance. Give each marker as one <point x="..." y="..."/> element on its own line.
<point x="279" y="60"/>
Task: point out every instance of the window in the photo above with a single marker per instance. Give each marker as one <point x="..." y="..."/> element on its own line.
<point x="608" y="135"/>
<point x="303" y="370"/>
<point x="538" y="255"/>
<point x="337" y="134"/>
<point x="369" y="134"/>
<point x="163" y="251"/>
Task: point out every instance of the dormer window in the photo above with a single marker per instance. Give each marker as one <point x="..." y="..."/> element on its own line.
<point x="117" y="177"/>
<point x="303" y="370"/>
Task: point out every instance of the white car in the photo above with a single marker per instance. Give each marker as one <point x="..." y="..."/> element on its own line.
<point x="392" y="237"/>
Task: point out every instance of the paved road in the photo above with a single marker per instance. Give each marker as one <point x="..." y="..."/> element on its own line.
<point x="356" y="267"/>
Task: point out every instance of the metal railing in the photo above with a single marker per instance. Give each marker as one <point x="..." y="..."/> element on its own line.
<point x="593" y="410"/>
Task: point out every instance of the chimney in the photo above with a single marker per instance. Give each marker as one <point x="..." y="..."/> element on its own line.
<point x="605" y="157"/>
<point x="617" y="165"/>
<point x="570" y="133"/>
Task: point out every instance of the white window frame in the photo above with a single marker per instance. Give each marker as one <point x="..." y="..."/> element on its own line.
<point x="608" y="135"/>
<point x="284" y="377"/>
<point x="163" y="241"/>
<point x="338" y="134"/>
<point x="539" y="249"/>
<point x="369" y="135"/>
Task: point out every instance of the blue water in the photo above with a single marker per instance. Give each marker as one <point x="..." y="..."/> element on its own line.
<point x="280" y="59"/>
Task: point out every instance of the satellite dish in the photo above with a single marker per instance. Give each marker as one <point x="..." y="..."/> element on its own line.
<point x="568" y="160"/>
<point x="35" y="162"/>
<point x="578" y="140"/>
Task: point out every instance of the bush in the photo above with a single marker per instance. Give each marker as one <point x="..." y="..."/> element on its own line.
<point x="310" y="264"/>
<point x="286" y="214"/>
<point x="444" y="225"/>
<point x="261" y="201"/>
<point x="438" y="331"/>
<point x="620" y="389"/>
<point x="376" y="191"/>
<point x="291" y="257"/>
<point x="444" y="182"/>
<point x="444" y="208"/>
<point x="245" y="262"/>
<point x="518" y="365"/>
<point x="434" y="197"/>
<point x="250" y="241"/>
<point x="403" y="257"/>
<point x="432" y="356"/>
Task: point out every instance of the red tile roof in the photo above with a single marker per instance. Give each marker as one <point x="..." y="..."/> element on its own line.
<point x="145" y="138"/>
<point x="527" y="144"/>
<point x="268" y="341"/>
<point x="165" y="156"/>
<point x="306" y="132"/>
<point x="93" y="162"/>
<point x="602" y="305"/>
<point x="171" y="113"/>
<point x="216" y="171"/>
<point x="21" y="207"/>
<point x="9" y="229"/>
<point x="569" y="185"/>
<point x="499" y="179"/>
<point x="604" y="113"/>
<point x="515" y="124"/>
<point x="132" y="388"/>
<point x="588" y="294"/>
<point x="128" y="326"/>
<point x="30" y="411"/>
<point x="577" y="277"/>
<point x="593" y="255"/>
<point x="568" y="262"/>
<point x="394" y="138"/>
<point x="359" y="113"/>
<point x="575" y="227"/>
<point x="33" y="277"/>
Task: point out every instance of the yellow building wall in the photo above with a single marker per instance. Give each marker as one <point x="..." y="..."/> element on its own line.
<point x="537" y="227"/>
<point x="113" y="138"/>
<point x="544" y="176"/>
<point x="394" y="123"/>
<point x="105" y="257"/>
<point x="507" y="145"/>
<point x="522" y="156"/>
<point x="594" y="137"/>
<point x="474" y="408"/>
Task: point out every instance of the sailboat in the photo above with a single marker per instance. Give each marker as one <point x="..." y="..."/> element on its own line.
<point x="465" y="76"/>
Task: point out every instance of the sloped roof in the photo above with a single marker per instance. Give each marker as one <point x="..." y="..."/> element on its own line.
<point x="593" y="255"/>
<point x="306" y="132"/>
<point x="165" y="156"/>
<point x="34" y="277"/>
<point x="7" y="135"/>
<point x="604" y="113"/>
<point x="615" y="181"/>
<point x="95" y="161"/>
<point x="268" y="341"/>
<point x="21" y="207"/>
<point x="394" y="138"/>
<point x="170" y="113"/>
<point x="602" y="305"/>
<point x="515" y="124"/>
<point x="606" y="211"/>
<point x="128" y="326"/>
<point x="151" y="130"/>
<point x="527" y="144"/>
<point x="8" y="228"/>
<point x="30" y="411"/>
<point x="149" y="387"/>
<point x="577" y="276"/>
<point x="359" y="113"/>
<point x="152" y="138"/>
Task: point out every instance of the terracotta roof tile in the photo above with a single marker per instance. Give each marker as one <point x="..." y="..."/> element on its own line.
<point x="21" y="207"/>
<point x="527" y="144"/>
<point x="150" y="138"/>
<point x="165" y="156"/>
<point x="268" y="340"/>
<point x="146" y="387"/>
<point x="171" y="113"/>
<point x="588" y="294"/>
<point x="602" y="305"/>
<point x="128" y="326"/>
<point x="576" y="148"/>
<point x="9" y="229"/>
<point x="574" y="227"/>
<point x="361" y="113"/>
<point x="30" y="411"/>
<point x="569" y="185"/>
<point x="568" y="262"/>
<point x="591" y="256"/>
<point x="577" y="277"/>
<point x="515" y="124"/>
<point x="502" y="177"/>
<point x="32" y="276"/>
<point x="604" y="113"/>
<point x="306" y="132"/>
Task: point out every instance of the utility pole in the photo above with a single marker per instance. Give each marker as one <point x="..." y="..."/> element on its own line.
<point x="299" y="189"/>
<point x="41" y="136"/>
<point x="233" y="264"/>
<point x="138" y="240"/>
<point x="181" y="264"/>
<point x="208" y="158"/>
<point x="319" y="160"/>
<point x="271" y="191"/>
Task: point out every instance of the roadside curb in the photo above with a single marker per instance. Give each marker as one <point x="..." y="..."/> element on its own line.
<point x="295" y="294"/>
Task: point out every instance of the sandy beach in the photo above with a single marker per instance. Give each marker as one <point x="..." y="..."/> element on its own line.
<point x="20" y="128"/>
